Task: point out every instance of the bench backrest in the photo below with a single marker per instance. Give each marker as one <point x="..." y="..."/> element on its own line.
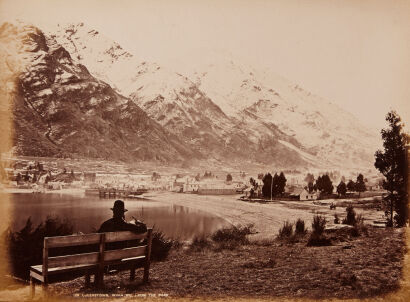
<point x="99" y="257"/>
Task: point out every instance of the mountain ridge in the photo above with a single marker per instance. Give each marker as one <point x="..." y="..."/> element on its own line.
<point x="227" y="112"/>
<point x="61" y="110"/>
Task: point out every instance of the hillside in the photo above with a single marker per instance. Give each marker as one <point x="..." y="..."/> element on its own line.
<point x="226" y="110"/>
<point x="222" y="111"/>
<point x="60" y="109"/>
<point x="320" y="129"/>
<point x="175" y="102"/>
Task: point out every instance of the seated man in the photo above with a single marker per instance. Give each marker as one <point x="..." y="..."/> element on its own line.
<point x="118" y="223"/>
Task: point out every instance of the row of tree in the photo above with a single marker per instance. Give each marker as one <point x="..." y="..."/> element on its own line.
<point x="273" y="186"/>
<point x="358" y="186"/>
<point x="324" y="185"/>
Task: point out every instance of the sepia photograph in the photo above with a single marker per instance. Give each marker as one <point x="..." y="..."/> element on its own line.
<point x="206" y="150"/>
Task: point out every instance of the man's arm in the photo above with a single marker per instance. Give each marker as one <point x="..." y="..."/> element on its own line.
<point x="137" y="227"/>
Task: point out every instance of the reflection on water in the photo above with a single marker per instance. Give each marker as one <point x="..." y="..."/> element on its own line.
<point x="86" y="213"/>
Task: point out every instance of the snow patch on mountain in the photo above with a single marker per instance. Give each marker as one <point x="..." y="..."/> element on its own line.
<point x="228" y="108"/>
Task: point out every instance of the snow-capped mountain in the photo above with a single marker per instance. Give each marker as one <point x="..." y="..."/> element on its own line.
<point x="174" y="101"/>
<point x="320" y="129"/>
<point x="60" y="109"/>
<point x="226" y="110"/>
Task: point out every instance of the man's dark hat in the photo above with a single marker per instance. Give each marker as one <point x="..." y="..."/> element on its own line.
<point x="119" y="206"/>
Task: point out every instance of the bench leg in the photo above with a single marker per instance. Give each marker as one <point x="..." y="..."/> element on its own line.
<point x="132" y="273"/>
<point x="32" y="288"/>
<point x="45" y="287"/>
<point x="87" y="279"/>
<point x="146" y="273"/>
<point x="99" y="279"/>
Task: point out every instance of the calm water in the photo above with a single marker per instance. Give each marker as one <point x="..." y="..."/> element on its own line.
<point x="87" y="212"/>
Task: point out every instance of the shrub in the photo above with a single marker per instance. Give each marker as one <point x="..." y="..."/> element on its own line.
<point x="234" y="233"/>
<point x="359" y="219"/>
<point x="227" y="245"/>
<point x="300" y="227"/>
<point x="160" y="246"/>
<point x="318" y="225"/>
<point x="359" y="228"/>
<point x="350" y="216"/>
<point x="354" y="232"/>
<point x="25" y="247"/>
<point x="199" y="244"/>
<point x="318" y="240"/>
<point x="286" y="230"/>
<point x="337" y="220"/>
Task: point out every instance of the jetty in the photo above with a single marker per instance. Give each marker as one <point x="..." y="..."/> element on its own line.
<point x="112" y="192"/>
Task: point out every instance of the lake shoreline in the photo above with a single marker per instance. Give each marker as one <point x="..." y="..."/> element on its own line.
<point x="267" y="217"/>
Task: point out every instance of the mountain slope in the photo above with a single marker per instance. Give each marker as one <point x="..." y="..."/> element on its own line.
<point x="229" y="111"/>
<point x="60" y="109"/>
<point x="174" y="101"/>
<point x="322" y="129"/>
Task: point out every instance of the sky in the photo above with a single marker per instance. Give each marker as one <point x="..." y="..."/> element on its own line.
<point x="353" y="53"/>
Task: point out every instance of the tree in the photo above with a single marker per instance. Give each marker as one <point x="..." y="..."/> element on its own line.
<point x="351" y="186"/>
<point x="392" y="164"/>
<point x="309" y="178"/>
<point x="208" y="174"/>
<point x="281" y="184"/>
<point x="324" y="184"/>
<point x="341" y="188"/>
<point x="253" y="182"/>
<point x="267" y="189"/>
<point x="254" y="188"/>
<point x="229" y="177"/>
<point x="155" y="176"/>
<point x="273" y="186"/>
<point x="360" y="185"/>
<point x="310" y="187"/>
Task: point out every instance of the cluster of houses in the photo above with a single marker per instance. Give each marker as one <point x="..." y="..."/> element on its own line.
<point x="207" y="186"/>
<point x="51" y="175"/>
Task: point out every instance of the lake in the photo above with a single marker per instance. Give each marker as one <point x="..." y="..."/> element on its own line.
<point x="87" y="212"/>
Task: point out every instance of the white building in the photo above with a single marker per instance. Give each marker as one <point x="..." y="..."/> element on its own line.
<point x="305" y="195"/>
<point x="190" y="187"/>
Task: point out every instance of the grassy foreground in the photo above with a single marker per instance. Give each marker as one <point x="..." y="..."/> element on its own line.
<point x="352" y="267"/>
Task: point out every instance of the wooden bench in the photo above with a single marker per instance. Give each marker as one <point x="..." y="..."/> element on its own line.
<point x="88" y="263"/>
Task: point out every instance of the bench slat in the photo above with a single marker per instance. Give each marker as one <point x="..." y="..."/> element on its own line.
<point x="123" y="236"/>
<point x="38" y="269"/>
<point x="124" y="253"/>
<point x="70" y="260"/>
<point x="73" y="240"/>
<point x="37" y="276"/>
